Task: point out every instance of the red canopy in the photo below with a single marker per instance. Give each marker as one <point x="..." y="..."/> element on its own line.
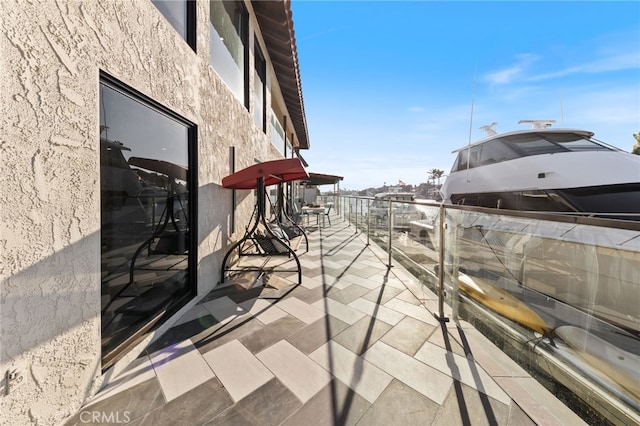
<point x="273" y="172"/>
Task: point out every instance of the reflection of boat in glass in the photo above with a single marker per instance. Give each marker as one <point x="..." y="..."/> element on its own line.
<point x="614" y="363"/>
<point x="127" y="194"/>
<point x="589" y="347"/>
<point x="501" y="301"/>
<point x="403" y="211"/>
<point x="590" y="268"/>
<point x="545" y="169"/>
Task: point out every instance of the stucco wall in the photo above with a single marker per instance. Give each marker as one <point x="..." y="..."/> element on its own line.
<point x="51" y="53"/>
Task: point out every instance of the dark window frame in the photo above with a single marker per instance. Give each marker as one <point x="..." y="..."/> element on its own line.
<point x="109" y="358"/>
<point x="244" y="23"/>
<point x="192" y="26"/>
<point x="191" y="23"/>
<point x="262" y="73"/>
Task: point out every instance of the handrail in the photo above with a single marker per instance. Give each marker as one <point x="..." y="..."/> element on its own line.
<point x="567" y="217"/>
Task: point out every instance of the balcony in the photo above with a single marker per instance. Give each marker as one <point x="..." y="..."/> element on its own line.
<point x="359" y="341"/>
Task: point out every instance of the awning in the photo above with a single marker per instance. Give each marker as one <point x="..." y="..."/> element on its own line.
<point x="322" y="179"/>
<point x="273" y="172"/>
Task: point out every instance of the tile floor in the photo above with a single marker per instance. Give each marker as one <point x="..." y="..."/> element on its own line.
<point x="355" y="344"/>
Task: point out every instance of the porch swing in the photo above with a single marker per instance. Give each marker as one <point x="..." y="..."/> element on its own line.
<point x="283" y="224"/>
<point x="265" y="246"/>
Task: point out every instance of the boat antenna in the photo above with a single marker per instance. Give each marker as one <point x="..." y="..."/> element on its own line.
<point x="473" y="99"/>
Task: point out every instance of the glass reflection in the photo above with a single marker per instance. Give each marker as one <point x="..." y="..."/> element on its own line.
<point x="227" y="35"/>
<point x="145" y="228"/>
<point x="277" y="132"/>
<point x="260" y="75"/>
<point x="560" y="298"/>
<point x="570" y="288"/>
<point x="176" y="13"/>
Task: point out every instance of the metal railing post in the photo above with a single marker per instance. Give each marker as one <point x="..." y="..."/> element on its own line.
<point x="356" y="231"/>
<point x="390" y="230"/>
<point x="368" y="221"/>
<point x="441" y="293"/>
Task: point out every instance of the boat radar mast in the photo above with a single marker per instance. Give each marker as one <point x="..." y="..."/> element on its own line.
<point x="490" y="129"/>
<point x="538" y="124"/>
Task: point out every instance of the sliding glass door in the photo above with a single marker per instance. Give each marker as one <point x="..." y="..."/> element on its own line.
<point x="147" y="219"/>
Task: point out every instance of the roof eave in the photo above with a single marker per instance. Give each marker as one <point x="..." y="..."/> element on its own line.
<point x="276" y="25"/>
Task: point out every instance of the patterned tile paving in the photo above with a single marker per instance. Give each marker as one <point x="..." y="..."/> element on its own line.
<point x="238" y="369"/>
<point x="335" y="404"/>
<point x="180" y="368"/>
<point x="421" y="377"/>
<point x="355" y="343"/>
<point x="293" y="368"/>
<point x="362" y="377"/>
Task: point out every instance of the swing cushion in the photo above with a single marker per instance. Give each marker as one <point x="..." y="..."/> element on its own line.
<point x="278" y="232"/>
<point x="270" y="245"/>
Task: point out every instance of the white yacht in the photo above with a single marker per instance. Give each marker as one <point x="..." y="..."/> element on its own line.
<point x="546" y="169"/>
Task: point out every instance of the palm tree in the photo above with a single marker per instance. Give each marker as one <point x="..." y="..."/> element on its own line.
<point x="435" y="174"/>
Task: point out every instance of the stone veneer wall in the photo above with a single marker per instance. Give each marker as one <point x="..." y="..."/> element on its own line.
<point x="51" y="53"/>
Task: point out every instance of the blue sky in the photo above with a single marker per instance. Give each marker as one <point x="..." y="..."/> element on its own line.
<point x="388" y="85"/>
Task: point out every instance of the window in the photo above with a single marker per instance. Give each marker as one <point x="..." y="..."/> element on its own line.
<point x="147" y="190"/>
<point x="260" y="89"/>
<point x="462" y="161"/>
<point x="576" y="142"/>
<point x="533" y="144"/>
<point x="228" y="34"/>
<point x="494" y="152"/>
<point x="277" y="132"/>
<point x="511" y="147"/>
<point x="182" y="15"/>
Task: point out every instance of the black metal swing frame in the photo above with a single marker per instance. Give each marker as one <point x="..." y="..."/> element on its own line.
<point x="254" y="243"/>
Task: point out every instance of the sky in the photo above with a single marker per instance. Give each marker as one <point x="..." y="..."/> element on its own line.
<point x="391" y="88"/>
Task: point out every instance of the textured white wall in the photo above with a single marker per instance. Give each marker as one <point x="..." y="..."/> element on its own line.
<point x="51" y="53"/>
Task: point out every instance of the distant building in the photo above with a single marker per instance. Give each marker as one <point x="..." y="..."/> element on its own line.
<point x="119" y="121"/>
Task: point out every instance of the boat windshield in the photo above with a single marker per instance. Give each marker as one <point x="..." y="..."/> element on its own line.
<point x="546" y="143"/>
<point x="523" y="145"/>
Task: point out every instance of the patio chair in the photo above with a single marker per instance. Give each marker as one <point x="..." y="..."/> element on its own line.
<point x="327" y="210"/>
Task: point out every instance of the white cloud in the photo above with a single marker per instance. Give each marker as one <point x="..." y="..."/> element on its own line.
<point x="511" y="73"/>
<point x="416" y="109"/>
<point x="605" y="107"/>
<point x="620" y="58"/>
<point x="622" y="62"/>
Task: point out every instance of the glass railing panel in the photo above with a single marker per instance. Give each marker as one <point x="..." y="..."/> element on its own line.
<point x="378" y="221"/>
<point x="359" y="214"/>
<point x="412" y="235"/>
<point x="560" y="298"/>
